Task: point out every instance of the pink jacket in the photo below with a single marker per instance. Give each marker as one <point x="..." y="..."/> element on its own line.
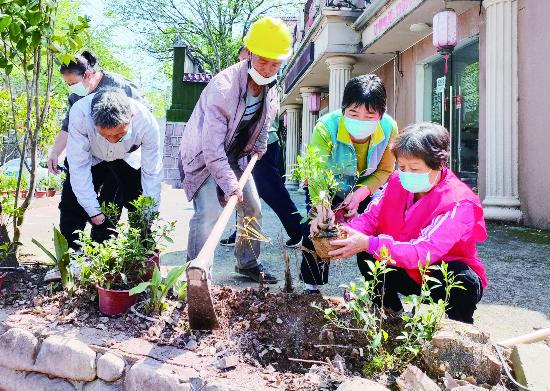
<point x="211" y="130"/>
<point x="446" y="223"/>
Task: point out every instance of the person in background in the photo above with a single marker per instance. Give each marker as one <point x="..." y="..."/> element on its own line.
<point x="229" y="124"/>
<point x="355" y="143"/>
<point x="271" y="186"/>
<point x="424" y="212"/>
<point x="84" y="77"/>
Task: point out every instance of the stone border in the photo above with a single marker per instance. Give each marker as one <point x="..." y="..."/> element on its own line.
<point x="64" y="364"/>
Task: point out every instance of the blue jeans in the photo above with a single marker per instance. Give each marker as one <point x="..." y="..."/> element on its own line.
<point x="208" y="209"/>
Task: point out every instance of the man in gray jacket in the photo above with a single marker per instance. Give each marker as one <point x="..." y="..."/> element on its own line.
<point x="230" y="123"/>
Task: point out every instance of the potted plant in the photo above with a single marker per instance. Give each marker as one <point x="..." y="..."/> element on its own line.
<point x="108" y="267"/>
<point x="40" y="191"/>
<point x="126" y="259"/>
<point x="152" y="230"/>
<point x="24" y="187"/>
<point x="52" y="186"/>
<point x="323" y="186"/>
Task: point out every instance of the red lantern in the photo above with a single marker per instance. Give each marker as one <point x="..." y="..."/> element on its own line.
<point x="314" y="102"/>
<point x="445" y="33"/>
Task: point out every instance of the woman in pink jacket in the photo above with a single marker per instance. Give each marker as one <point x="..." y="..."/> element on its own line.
<point x="423" y="211"/>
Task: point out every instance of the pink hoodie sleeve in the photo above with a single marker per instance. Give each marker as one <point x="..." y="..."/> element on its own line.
<point x="436" y="239"/>
<point x="368" y="220"/>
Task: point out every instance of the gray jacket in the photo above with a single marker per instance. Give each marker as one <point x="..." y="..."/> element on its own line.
<point x="211" y="130"/>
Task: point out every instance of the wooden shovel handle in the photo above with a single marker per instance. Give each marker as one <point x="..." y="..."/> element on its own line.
<point x="205" y="255"/>
<point x="533" y="337"/>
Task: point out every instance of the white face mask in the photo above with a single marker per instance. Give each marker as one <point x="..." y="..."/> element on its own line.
<point x="259" y="79"/>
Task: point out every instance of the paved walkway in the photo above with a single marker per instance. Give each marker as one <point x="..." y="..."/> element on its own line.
<point x="517" y="300"/>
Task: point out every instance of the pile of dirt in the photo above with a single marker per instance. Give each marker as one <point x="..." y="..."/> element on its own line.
<point x="285" y="336"/>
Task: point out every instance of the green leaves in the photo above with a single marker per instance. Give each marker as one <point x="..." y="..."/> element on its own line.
<point x="5" y="21"/>
<point x="159" y="290"/>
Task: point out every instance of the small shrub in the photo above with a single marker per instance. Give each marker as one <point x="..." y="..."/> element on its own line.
<point x="385" y="354"/>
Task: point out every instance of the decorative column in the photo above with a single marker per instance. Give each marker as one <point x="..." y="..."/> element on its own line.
<point x="501" y="101"/>
<point x="340" y="68"/>
<point x="292" y="140"/>
<point x="310" y="114"/>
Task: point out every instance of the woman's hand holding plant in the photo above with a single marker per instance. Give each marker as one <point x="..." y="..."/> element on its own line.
<point x="352" y="201"/>
<point x="355" y="242"/>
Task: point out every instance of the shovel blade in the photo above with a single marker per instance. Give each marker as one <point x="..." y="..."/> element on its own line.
<point x="200" y="307"/>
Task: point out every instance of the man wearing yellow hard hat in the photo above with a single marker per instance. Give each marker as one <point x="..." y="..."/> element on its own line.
<point x="229" y="124"/>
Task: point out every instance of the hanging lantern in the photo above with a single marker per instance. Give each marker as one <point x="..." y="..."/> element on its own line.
<point x="314" y="102"/>
<point x="445" y="33"/>
<point x="285" y="119"/>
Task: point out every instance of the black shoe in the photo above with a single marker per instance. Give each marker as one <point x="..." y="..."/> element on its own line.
<point x="229" y="242"/>
<point x="254" y="274"/>
<point x="294" y="243"/>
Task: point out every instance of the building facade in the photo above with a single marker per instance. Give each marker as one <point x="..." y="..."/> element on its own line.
<point x="489" y="93"/>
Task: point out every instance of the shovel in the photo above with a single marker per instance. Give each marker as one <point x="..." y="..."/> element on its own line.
<point x="199" y="300"/>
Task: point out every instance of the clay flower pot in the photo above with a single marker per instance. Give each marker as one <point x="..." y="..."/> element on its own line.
<point x="39" y="194"/>
<point x="113" y="302"/>
<point x="23" y="193"/>
<point x="51" y="192"/>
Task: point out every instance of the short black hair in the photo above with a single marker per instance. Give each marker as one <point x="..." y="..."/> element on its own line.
<point x="425" y="140"/>
<point x="367" y="90"/>
<point x="111" y="108"/>
<point x="81" y="63"/>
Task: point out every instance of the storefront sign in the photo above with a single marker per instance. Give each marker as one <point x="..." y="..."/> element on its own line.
<point x="393" y="14"/>
<point x="440" y="84"/>
<point x="299" y="67"/>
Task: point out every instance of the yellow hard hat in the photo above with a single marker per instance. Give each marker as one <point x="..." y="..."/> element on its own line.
<point x="270" y="38"/>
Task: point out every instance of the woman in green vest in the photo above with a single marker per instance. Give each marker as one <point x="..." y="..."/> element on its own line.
<point x="355" y="143"/>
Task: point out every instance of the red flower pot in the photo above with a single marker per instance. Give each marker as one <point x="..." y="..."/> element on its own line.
<point x="23" y="193"/>
<point x="113" y="303"/>
<point x="39" y="194"/>
<point x="2" y="276"/>
<point x="51" y="192"/>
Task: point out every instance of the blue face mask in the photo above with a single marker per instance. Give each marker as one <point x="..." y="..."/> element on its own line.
<point x="128" y="135"/>
<point x="415" y="182"/>
<point x="358" y="129"/>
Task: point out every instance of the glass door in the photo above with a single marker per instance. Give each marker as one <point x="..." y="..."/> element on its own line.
<point x="453" y="101"/>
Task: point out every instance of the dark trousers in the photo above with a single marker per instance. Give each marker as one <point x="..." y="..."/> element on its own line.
<point x="73" y="217"/>
<point x="313" y="270"/>
<point x="462" y="302"/>
<point x="271" y="188"/>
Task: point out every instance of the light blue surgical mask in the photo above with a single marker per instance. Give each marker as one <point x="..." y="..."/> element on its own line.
<point x="415" y="182"/>
<point x="128" y="135"/>
<point x="79" y="89"/>
<point x="359" y="129"/>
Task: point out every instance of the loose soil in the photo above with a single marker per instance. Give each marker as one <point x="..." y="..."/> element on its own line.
<point x="280" y="333"/>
